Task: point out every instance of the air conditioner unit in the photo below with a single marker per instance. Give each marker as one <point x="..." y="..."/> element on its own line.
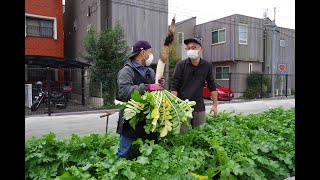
<point x="289" y="92"/>
<point x="276" y="92"/>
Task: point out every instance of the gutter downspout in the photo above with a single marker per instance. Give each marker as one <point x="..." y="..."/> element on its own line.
<point x="233" y="49"/>
<point x="264" y="50"/>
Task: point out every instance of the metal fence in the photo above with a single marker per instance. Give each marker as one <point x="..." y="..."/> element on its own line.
<point x="68" y="90"/>
<point x="259" y="85"/>
<point x="63" y="90"/>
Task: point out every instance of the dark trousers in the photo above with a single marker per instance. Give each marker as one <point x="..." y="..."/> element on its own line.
<point x="125" y="147"/>
<point x="198" y="119"/>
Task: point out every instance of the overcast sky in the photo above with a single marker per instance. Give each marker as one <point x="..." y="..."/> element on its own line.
<point x="208" y="10"/>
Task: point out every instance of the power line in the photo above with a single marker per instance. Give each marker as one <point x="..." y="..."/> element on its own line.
<point x="144" y="6"/>
<point x="158" y="7"/>
<point x="219" y="21"/>
<point x="251" y="22"/>
<point x="155" y="8"/>
<point x="224" y="19"/>
<point x="286" y="34"/>
<point x="231" y="22"/>
<point x="252" y="27"/>
<point x="164" y="5"/>
<point x="153" y="3"/>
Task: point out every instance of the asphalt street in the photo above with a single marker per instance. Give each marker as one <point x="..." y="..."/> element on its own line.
<point x="88" y="122"/>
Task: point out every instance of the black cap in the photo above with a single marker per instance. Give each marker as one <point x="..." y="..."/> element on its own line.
<point x="196" y="40"/>
<point x="138" y="46"/>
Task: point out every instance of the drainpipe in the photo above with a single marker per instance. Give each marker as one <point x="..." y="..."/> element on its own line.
<point x="233" y="54"/>
<point x="234" y="44"/>
<point x="264" y="49"/>
<point x="82" y="87"/>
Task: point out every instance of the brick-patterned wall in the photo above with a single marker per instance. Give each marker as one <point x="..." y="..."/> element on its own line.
<point x="41" y="45"/>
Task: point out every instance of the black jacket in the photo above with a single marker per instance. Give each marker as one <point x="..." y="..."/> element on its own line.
<point x="188" y="80"/>
<point x="130" y="79"/>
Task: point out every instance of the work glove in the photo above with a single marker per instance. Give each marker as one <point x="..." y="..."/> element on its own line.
<point x="162" y="81"/>
<point x="154" y="87"/>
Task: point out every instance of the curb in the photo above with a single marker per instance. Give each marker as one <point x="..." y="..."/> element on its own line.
<point x="249" y="100"/>
<point x="74" y="113"/>
<point x="206" y="103"/>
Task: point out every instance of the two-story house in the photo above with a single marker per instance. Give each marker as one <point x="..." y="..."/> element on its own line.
<point x="239" y="44"/>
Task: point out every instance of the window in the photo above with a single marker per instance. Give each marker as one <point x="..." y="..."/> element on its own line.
<point x="180" y="37"/>
<point x="219" y="36"/>
<point x="243" y="34"/>
<point x="222" y="72"/>
<point x="250" y="68"/>
<point x="39" y="27"/>
<point x="282" y="43"/>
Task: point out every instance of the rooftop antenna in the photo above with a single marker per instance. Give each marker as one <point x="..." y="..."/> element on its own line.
<point x="274" y="13"/>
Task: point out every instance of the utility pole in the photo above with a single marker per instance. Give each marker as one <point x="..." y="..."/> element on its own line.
<point x="264" y="63"/>
<point x="273" y="58"/>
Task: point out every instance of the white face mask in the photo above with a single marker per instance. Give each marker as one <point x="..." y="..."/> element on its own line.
<point x="149" y="60"/>
<point x="193" y="54"/>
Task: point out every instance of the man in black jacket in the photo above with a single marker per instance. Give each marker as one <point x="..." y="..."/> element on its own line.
<point x="135" y="75"/>
<point x="189" y="79"/>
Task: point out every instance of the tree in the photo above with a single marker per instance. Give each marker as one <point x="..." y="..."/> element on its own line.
<point x="107" y="51"/>
<point x="173" y="59"/>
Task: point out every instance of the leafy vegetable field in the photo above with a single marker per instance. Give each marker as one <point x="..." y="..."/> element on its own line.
<point x="231" y="146"/>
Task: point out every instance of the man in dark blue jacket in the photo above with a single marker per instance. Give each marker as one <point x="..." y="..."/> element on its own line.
<point x="135" y="75"/>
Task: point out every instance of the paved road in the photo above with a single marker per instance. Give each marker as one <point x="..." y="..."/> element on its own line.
<point x="254" y="106"/>
<point x="83" y="124"/>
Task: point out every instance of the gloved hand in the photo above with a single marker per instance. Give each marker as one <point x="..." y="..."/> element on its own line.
<point x="162" y="81"/>
<point x="154" y="87"/>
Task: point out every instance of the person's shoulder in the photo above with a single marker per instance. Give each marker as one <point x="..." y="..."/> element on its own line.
<point x="126" y="69"/>
<point x="181" y="62"/>
<point x="206" y="61"/>
<point x="151" y="70"/>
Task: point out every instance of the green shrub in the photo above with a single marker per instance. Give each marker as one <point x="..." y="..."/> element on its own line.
<point x="293" y="91"/>
<point x="249" y="93"/>
<point x="254" y="81"/>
